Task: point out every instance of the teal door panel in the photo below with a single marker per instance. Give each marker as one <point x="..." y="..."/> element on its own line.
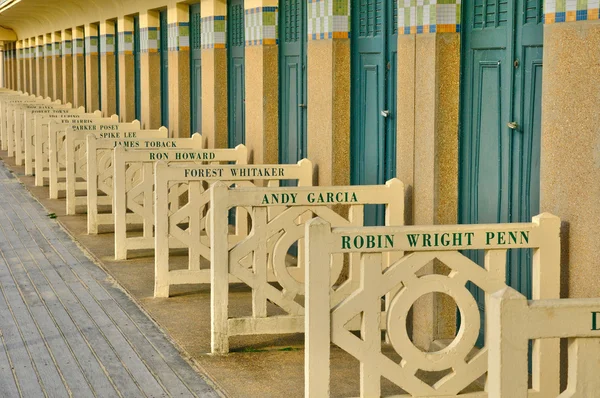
<point x="373" y="96"/>
<point x="236" y="74"/>
<point x="391" y="90"/>
<point x="501" y="87"/>
<point x="195" y="70"/>
<point x="292" y="81"/>
<point x="164" y="69"/>
<point x="137" y="68"/>
<point x="99" y="58"/>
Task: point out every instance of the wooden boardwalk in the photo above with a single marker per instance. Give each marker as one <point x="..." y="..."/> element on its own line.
<point x="65" y="328"/>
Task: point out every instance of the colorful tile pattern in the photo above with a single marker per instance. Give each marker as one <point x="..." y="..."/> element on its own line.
<point x="213" y="32"/>
<point x="328" y="19"/>
<point x="40" y="51"/>
<point x="261" y="26"/>
<point x="179" y="36"/>
<point x="67" y="47"/>
<point x="149" y="39"/>
<point x="107" y="44"/>
<point x="428" y="16"/>
<point x="571" y="10"/>
<point x="48" y="50"/>
<point x="78" y="49"/>
<point x="58" y="49"/>
<point x="126" y="43"/>
<point x="91" y="45"/>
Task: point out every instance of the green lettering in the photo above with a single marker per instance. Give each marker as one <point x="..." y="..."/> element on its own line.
<point x="265" y="200"/>
<point x="412" y="239"/>
<point x="445" y="239"/>
<point x="524" y="237"/>
<point x="345" y="242"/>
<point x="595" y="320"/>
<point x="469" y="236"/>
<point x="426" y="240"/>
<point x="389" y="240"/>
<point x="512" y="237"/>
<point x="501" y="240"/>
<point x="370" y="241"/>
<point x="457" y="239"/>
<point x="359" y="242"/>
<point x="488" y="237"/>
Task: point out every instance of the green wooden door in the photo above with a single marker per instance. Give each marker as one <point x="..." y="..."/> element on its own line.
<point x="137" y="71"/>
<point x="235" y="68"/>
<point x="164" y="69"/>
<point x="195" y="70"/>
<point x="500" y="121"/>
<point x="292" y="81"/>
<point x="373" y="95"/>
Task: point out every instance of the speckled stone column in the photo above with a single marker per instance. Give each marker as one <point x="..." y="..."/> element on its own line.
<point x="107" y="68"/>
<point x="214" y="72"/>
<point x="48" y="85"/>
<point x="328" y="91"/>
<point x="150" y="73"/>
<point x="570" y="149"/>
<point x="57" y="65"/>
<point x="40" y="70"/>
<point x="262" y="86"/>
<point x="179" y="70"/>
<point x="126" y="70"/>
<point x="427" y="139"/>
<point x="67" y="66"/>
<point x="91" y="62"/>
<point x="78" y="67"/>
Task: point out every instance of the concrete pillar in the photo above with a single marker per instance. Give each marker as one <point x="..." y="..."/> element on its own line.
<point x="19" y="53"/>
<point x="57" y="86"/>
<point x="79" y="96"/>
<point x="261" y="82"/>
<point x="40" y="69"/>
<point x="10" y="47"/>
<point x="67" y="66"/>
<point x="107" y="68"/>
<point x="570" y="150"/>
<point x="214" y="72"/>
<point x="179" y="69"/>
<point x="33" y="64"/>
<point x="92" y="89"/>
<point x="25" y="66"/>
<point x="328" y="91"/>
<point x="427" y="145"/>
<point x="150" y="70"/>
<point x="126" y="70"/>
<point x="48" y="84"/>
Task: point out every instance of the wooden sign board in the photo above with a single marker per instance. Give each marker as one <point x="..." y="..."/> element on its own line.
<point x="100" y="170"/>
<point x="11" y="120"/>
<point x="41" y="139"/>
<point x="134" y="189"/>
<point x="23" y="114"/>
<point x="404" y="280"/>
<point x="37" y="125"/>
<point x="57" y="155"/>
<point x="279" y="216"/>
<point x="76" y="155"/>
<point x="168" y="229"/>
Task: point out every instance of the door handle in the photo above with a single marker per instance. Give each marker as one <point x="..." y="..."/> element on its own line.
<point x="385" y="113"/>
<point x="301" y="105"/>
<point x="512" y="125"/>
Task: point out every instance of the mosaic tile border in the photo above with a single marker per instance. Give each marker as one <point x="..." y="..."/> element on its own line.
<point x="328" y="19"/>
<point x="107" y="44"/>
<point x="126" y="42"/>
<point x="213" y="32"/>
<point x="261" y="26"/>
<point x="57" y="49"/>
<point x="179" y="36"/>
<point x="149" y="39"/>
<point x="91" y="45"/>
<point x="78" y="47"/>
<point x="557" y="11"/>
<point x="428" y="16"/>
<point x="67" y="48"/>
